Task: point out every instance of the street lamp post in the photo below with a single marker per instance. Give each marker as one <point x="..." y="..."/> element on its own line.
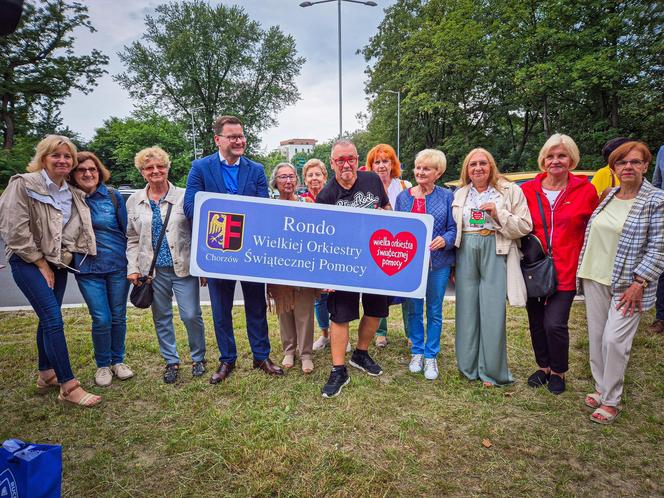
<point x="310" y="4"/>
<point x="193" y="128"/>
<point x="398" y="92"/>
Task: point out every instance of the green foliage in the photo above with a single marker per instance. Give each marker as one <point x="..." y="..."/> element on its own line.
<point x="15" y="160"/>
<point x="39" y="68"/>
<point x="228" y="64"/>
<point x="117" y="142"/>
<point x="506" y="74"/>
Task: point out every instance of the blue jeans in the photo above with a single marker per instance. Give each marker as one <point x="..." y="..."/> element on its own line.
<point x="186" y="290"/>
<point x="659" y="315"/>
<point x="51" y="343"/>
<point x="322" y="315"/>
<point x="106" y="297"/>
<point x="436" y="285"/>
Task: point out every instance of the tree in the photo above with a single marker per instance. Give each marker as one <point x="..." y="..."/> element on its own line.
<point x="117" y="142"/>
<point x="228" y="64"/>
<point x="38" y="63"/>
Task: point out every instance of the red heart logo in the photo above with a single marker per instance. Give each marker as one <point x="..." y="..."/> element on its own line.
<point x="392" y="253"/>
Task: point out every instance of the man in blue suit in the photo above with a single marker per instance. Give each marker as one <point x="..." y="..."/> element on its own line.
<point x="229" y="172"/>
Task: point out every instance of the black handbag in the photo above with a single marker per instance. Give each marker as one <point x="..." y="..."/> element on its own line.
<point x="141" y="295"/>
<point x="537" y="267"/>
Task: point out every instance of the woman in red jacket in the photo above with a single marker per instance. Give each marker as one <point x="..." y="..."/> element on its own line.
<point x="567" y="202"/>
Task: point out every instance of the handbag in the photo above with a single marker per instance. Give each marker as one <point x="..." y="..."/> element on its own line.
<point x="141" y="295"/>
<point x="539" y="274"/>
<point x="30" y="470"/>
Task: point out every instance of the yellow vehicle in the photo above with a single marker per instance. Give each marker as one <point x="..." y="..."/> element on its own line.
<point x="520" y="177"/>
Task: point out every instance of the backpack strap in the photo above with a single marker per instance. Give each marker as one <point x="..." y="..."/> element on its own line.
<point x="116" y="205"/>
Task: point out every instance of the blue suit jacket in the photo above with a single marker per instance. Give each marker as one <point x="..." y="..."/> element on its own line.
<point x="205" y="176"/>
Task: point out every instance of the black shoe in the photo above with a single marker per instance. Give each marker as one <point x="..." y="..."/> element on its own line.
<point x="338" y="379"/>
<point x="364" y="362"/>
<point x="556" y="384"/>
<point x="538" y="379"/>
<point x="198" y="368"/>
<point x="171" y="373"/>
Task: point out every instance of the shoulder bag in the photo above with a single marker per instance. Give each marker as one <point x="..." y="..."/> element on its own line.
<point x="141" y="295"/>
<point x="539" y="274"/>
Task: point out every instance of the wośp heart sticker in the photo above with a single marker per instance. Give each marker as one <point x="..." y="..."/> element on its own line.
<point x="392" y="253"/>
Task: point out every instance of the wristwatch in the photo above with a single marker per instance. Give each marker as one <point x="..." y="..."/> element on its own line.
<point x="641" y="281"/>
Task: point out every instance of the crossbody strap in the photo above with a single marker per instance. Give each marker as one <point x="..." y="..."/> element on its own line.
<point x="161" y="238"/>
<point x="546" y="229"/>
<point x="116" y="205"/>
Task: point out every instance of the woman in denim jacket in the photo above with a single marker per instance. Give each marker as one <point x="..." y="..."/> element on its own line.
<point x="427" y="198"/>
<point x="102" y="279"/>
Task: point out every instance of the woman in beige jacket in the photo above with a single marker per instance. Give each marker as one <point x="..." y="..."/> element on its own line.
<point x="491" y="215"/>
<point x="42" y="221"/>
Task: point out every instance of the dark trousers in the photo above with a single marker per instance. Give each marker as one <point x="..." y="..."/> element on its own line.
<point x="549" y="331"/>
<point x="51" y="344"/>
<point x="660" y="299"/>
<point x="255" y="308"/>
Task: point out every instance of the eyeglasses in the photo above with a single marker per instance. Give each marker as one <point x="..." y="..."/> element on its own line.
<point x="284" y="178"/>
<point x="82" y="171"/>
<point x="234" y="138"/>
<point x="634" y="162"/>
<point x="340" y="161"/>
<point x="159" y="167"/>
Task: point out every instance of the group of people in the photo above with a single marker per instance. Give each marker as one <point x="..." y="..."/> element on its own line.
<point x="62" y="216"/>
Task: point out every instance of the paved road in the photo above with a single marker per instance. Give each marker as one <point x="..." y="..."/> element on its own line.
<point x="11" y="296"/>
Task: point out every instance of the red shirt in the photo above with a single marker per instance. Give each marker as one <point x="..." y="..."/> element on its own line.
<point x="566" y="224"/>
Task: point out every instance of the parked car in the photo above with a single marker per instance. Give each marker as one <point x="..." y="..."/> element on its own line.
<point x="126" y="191"/>
<point x="521" y="177"/>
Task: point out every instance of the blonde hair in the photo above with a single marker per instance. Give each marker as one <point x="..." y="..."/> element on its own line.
<point x="151" y="153"/>
<point x="433" y="156"/>
<point x="314" y="163"/>
<point x="47" y="146"/>
<point x="494" y="174"/>
<point x="566" y="142"/>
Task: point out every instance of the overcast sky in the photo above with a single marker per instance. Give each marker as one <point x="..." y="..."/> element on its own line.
<point x="119" y="22"/>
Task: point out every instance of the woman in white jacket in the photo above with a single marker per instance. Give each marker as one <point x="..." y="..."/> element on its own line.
<point x="491" y="214"/>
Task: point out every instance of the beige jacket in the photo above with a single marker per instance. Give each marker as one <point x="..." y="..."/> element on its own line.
<point x="513" y="222"/>
<point x="139" y="232"/>
<point x="32" y="228"/>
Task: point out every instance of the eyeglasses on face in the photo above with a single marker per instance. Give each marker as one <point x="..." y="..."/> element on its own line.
<point x="82" y="171"/>
<point x="159" y="167"/>
<point x="285" y="178"/>
<point x="340" y="161"/>
<point x="234" y="138"/>
<point x="634" y="162"/>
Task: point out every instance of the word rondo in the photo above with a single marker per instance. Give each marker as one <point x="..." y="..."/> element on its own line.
<point x="321" y="228"/>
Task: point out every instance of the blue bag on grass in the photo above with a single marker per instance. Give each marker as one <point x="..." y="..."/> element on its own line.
<point x="30" y="470"/>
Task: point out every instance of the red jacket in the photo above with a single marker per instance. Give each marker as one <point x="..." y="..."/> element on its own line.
<point x="571" y="213"/>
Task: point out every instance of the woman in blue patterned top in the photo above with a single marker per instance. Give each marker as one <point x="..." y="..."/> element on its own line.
<point x="102" y="279"/>
<point x="427" y="198"/>
<point x="147" y="210"/>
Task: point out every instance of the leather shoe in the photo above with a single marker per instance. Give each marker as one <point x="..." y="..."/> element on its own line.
<point x="268" y="367"/>
<point x="222" y="373"/>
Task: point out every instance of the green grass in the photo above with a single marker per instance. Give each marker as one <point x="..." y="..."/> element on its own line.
<point x="396" y="435"/>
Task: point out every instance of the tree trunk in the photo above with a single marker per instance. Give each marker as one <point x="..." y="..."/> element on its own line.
<point x="545" y="117"/>
<point x="8" y="139"/>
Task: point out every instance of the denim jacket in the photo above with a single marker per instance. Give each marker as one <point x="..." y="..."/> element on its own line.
<point x="110" y="226"/>
<point x="439" y="205"/>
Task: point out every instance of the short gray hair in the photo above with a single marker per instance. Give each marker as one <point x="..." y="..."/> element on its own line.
<point x="273" y="176"/>
<point x="342" y="141"/>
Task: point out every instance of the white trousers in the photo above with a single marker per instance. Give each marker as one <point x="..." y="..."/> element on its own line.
<point x="610" y="335"/>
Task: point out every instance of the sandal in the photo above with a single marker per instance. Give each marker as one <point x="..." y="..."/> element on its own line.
<point x="45" y="385"/>
<point x="609" y="417"/>
<point x="87" y="401"/>
<point x="593" y="400"/>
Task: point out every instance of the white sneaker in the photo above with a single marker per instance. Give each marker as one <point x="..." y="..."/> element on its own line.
<point x="122" y="371"/>
<point x="321" y="343"/>
<point x="104" y="377"/>
<point x="416" y="362"/>
<point x="430" y="369"/>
